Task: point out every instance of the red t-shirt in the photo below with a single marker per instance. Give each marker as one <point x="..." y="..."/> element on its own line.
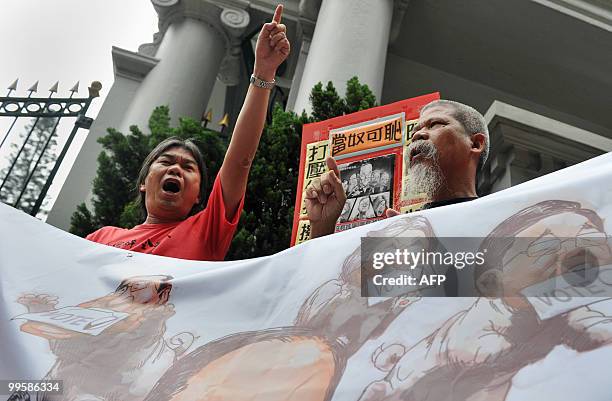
<point x="204" y="236"/>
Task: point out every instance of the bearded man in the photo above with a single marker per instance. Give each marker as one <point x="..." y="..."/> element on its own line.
<point x="449" y="146"/>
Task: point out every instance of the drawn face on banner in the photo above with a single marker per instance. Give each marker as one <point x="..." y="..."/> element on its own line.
<point x="546" y="240"/>
<point x="145" y="290"/>
<point x="299" y="362"/>
<point x="563" y="243"/>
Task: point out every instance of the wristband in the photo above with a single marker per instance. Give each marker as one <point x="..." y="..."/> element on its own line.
<point x="260" y="83"/>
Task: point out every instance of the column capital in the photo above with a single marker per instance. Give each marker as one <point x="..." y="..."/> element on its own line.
<point x="234" y="22"/>
<point x="229" y="18"/>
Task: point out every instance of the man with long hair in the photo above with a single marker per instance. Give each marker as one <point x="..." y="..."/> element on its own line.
<point x="171" y="180"/>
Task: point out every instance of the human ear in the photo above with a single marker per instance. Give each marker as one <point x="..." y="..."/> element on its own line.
<point x="142" y="188"/>
<point x="478" y="141"/>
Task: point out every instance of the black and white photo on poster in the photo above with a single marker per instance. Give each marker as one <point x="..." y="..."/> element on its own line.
<point x="369" y="187"/>
<point x="366" y="177"/>
<point x="380" y="203"/>
<point x="346" y="211"/>
<point x="362" y="209"/>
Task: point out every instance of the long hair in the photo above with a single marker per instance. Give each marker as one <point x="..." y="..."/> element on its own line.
<point x="172" y="142"/>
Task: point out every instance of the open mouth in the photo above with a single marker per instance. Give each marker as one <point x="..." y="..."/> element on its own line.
<point x="414" y="152"/>
<point x="172" y="186"/>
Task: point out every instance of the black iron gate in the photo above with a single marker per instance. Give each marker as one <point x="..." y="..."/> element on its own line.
<point x="31" y="154"/>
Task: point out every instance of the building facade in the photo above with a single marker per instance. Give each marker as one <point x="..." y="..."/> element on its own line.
<point x="539" y="70"/>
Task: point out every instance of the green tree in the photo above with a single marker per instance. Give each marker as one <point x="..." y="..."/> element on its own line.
<point x="41" y="130"/>
<point x="266" y="221"/>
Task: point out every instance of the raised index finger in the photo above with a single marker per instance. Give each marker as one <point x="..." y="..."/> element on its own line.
<point x="332" y="165"/>
<point x="278" y="13"/>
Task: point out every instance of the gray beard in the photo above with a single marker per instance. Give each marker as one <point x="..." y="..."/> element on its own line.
<point x="425" y="177"/>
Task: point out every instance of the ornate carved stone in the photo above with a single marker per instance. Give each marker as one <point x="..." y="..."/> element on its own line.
<point x="149" y="49"/>
<point x="228" y="18"/>
<point x="235" y="21"/>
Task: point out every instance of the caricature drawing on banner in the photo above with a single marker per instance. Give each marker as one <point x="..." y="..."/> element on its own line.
<point x="295" y="326"/>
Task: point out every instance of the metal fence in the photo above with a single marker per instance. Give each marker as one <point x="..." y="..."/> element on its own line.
<point x="32" y="163"/>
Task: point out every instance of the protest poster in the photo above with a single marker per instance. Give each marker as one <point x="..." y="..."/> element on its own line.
<point x="370" y="149"/>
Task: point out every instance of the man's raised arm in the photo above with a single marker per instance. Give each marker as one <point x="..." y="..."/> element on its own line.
<point x="271" y="50"/>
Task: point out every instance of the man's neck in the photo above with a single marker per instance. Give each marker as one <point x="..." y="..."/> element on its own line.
<point x="448" y="194"/>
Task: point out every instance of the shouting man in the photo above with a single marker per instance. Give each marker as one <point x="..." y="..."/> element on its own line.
<point x="171" y="183"/>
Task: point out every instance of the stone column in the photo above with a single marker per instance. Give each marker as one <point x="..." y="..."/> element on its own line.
<point x="197" y="39"/>
<point x="350" y="39"/>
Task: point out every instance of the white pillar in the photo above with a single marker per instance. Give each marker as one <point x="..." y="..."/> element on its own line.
<point x="350" y="39"/>
<point x="189" y="56"/>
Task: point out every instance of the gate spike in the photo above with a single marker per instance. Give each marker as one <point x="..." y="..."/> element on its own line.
<point x="75" y="88"/>
<point x="13" y="86"/>
<point x="34" y="88"/>
<point x="53" y="89"/>
<point x="224" y="121"/>
<point x="208" y="116"/>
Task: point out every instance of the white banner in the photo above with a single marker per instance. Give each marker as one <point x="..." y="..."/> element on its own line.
<point x="115" y="325"/>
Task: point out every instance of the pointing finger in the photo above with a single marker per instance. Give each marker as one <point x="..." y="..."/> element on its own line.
<point x="336" y="184"/>
<point x="278" y="13"/>
<point x="332" y="165"/>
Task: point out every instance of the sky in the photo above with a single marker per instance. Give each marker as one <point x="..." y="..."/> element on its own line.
<point x="66" y="41"/>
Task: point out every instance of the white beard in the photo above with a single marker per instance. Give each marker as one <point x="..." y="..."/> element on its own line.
<point x="425" y="177"/>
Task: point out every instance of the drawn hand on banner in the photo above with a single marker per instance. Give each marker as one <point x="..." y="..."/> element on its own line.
<point x="272" y="47"/>
<point x="38" y="302"/>
<point x="325" y="198"/>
